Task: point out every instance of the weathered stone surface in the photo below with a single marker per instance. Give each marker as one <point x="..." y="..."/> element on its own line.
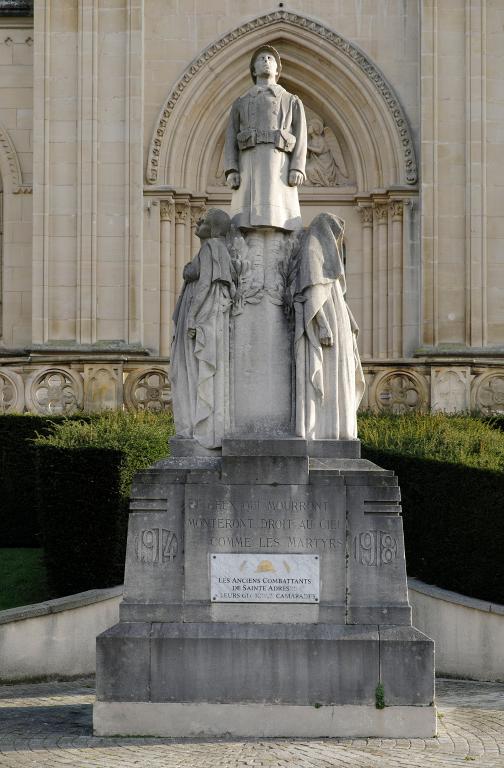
<point x="242" y="445"/>
<point x="123" y="663"/>
<point x="406" y="666"/>
<point x="263" y="721"/>
<point x="326" y="448"/>
<point x="295" y="663"/>
<point x="274" y="470"/>
<point x="376" y="580"/>
<point x="188" y="446"/>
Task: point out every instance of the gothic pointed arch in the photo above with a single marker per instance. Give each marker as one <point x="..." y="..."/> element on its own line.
<point x="333" y="77"/>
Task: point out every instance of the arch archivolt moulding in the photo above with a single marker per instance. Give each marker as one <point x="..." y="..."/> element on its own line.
<point x="339" y="79"/>
<point x="9" y="165"/>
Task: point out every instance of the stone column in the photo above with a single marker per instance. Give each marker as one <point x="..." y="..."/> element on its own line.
<point x="181" y="223"/>
<point x="395" y="292"/>
<point x="366" y="214"/>
<point x="380" y="259"/>
<point x="411" y="279"/>
<point x="166" y="277"/>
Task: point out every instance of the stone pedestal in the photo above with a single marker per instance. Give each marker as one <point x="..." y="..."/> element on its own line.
<point x="191" y="658"/>
<point x="261" y="368"/>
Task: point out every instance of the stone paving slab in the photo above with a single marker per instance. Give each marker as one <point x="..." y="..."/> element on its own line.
<point x="49" y="724"/>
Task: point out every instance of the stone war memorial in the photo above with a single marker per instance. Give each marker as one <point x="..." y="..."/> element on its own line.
<point x="265" y="587"/>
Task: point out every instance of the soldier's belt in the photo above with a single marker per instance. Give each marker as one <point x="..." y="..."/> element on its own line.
<point x="252" y="136"/>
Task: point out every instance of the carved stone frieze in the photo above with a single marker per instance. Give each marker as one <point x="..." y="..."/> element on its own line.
<point x="54" y="391"/>
<point x="102" y="387"/>
<point x="450" y="389"/>
<point x="11" y="392"/>
<point x="148" y="389"/>
<point x="355" y="55"/>
<point x="487" y="393"/>
<point x="400" y="391"/>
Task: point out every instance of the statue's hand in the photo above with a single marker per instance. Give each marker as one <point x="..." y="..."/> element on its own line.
<point x="296" y="178"/>
<point x="233" y="180"/>
<point x="191" y="332"/>
<point x="326" y="337"/>
<point x="190" y="274"/>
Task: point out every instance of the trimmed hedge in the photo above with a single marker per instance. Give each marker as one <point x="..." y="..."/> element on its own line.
<point x="83" y="518"/>
<point x="19" y="525"/>
<point x="84" y="479"/>
<point x="453" y="520"/>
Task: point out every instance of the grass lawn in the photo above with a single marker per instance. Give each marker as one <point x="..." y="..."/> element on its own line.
<point x="22" y="577"/>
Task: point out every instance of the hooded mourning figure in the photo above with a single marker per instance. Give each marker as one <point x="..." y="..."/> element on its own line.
<point x="329" y="377"/>
<point x="199" y="368"/>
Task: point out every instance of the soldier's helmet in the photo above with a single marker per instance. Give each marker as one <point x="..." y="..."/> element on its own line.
<point x="270" y="49"/>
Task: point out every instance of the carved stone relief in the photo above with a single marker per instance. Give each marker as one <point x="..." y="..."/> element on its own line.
<point x="148" y="389"/>
<point x="325" y="162"/>
<point x="11" y="392"/>
<point x="488" y="392"/>
<point x="54" y="391"/>
<point x="102" y="387"/>
<point x="450" y="389"/>
<point x="399" y="392"/>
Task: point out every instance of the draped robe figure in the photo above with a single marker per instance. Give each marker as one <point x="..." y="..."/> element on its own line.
<point x="329" y="377"/>
<point x="200" y="352"/>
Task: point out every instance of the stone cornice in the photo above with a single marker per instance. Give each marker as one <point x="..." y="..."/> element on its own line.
<point x="351" y="51"/>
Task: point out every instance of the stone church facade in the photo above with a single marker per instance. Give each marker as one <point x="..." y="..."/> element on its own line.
<point x="112" y="121"/>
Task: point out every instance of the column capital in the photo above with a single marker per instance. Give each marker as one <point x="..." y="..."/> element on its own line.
<point x="396" y="209"/>
<point x="167" y="210"/>
<point x="181" y="212"/>
<point x="381" y="213"/>
<point x="198" y="208"/>
<point x="366" y="214"/>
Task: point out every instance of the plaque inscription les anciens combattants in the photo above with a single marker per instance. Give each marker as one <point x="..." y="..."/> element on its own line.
<point x="259" y="578"/>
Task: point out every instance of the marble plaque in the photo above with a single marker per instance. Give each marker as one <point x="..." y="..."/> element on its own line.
<point x="247" y="578"/>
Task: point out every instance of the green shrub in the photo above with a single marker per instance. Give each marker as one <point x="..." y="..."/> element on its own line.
<point x="142" y="438"/>
<point x="84" y="475"/>
<point x="452" y="486"/>
<point x="458" y="439"/>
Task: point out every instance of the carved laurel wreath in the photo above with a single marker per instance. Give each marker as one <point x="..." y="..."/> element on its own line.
<point x="352" y="51"/>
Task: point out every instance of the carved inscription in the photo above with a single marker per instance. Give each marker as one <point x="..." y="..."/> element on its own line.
<point x="286" y="524"/>
<point x="156" y="546"/>
<point x="375" y="548"/>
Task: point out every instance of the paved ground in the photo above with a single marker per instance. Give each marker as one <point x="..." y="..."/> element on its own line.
<point x="50" y="725"/>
